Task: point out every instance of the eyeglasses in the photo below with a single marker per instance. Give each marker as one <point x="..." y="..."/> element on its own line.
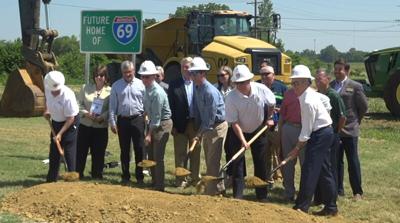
<point x="146" y="76"/>
<point x="265" y="74"/>
<point x="296" y="83"/>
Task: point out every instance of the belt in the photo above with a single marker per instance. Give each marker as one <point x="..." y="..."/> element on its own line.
<point x="129" y="117"/>
<point x="293" y="124"/>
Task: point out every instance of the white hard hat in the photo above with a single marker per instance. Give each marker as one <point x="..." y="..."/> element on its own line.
<point x="301" y="71"/>
<point x="241" y="73"/>
<point x="54" y="80"/>
<point x="198" y="63"/>
<point x="147" y="68"/>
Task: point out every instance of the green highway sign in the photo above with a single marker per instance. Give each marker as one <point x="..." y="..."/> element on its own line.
<point x="113" y="31"/>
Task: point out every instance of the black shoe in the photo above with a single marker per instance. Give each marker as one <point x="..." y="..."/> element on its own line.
<point x="140" y="183"/>
<point x="340" y="193"/>
<point x="299" y="209"/>
<point x="326" y="212"/>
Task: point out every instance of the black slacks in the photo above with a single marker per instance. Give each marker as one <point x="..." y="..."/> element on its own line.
<point x="95" y="139"/>
<point x="131" y="130"/>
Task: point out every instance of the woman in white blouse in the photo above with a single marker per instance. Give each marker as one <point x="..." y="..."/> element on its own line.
<point x="93" y="131"/>
<point x="224" y="84"/>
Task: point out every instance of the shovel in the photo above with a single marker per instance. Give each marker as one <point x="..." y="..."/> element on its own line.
<point x="146" y="163"/>
<point x="206" y="179"/>
<point x="67" y="176"/>
<point x="180" y="171"/>
<point x="256" y="182"/>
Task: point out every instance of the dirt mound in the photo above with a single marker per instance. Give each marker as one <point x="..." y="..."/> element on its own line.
<point x="89" y="202"/>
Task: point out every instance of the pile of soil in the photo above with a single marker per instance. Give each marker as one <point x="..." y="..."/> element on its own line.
<point x="91" y="202"/>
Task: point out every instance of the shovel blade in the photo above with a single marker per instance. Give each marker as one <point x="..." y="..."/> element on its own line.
<point x="182" y="172"/>
<point x="255" y="182"/>
<point x="70" y="176"/>
<point x="147" y="163"/>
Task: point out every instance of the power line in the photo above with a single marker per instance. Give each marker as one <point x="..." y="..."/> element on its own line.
<point x="343" y="20"/>
<point x="342" y="30"/>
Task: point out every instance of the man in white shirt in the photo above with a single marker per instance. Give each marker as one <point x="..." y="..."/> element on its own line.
<point x="62" y="108"/>
<point x="246" y="107"/>
<point x="317" y="132"/>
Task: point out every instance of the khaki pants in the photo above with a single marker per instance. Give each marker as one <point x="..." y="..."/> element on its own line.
<point x="273" y="153"/>
<point x="182" y="142"/>
<point x="156" y="150"/>
<point x="213" y="142"/>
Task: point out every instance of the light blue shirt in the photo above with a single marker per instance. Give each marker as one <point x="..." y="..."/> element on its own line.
<point x="126" y="99"/>
<point x="156" y="105"/>
<point x="339" y="84"/>
<point x="209" y="106"/>
<point x="189" y="94"/>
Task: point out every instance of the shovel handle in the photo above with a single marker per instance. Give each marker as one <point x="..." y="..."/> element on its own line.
<point x="58" y="145"/>
<point x="193" y="145"/>
<point x="234" y="157"/>
<point x="282" y="164"/>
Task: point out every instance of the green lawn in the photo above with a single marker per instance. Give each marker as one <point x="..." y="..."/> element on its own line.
<point x="24" y="144"/>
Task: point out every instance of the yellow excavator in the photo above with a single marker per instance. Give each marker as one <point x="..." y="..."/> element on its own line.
<point x="23" y="95"/>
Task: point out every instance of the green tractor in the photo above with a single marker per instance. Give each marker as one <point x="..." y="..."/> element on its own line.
<point x="383" y="69"/>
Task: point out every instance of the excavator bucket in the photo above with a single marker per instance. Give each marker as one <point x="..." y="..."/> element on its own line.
<point x="23" y="94"/>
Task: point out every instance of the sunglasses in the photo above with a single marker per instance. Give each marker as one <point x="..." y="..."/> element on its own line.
<point x="221" y="75"/>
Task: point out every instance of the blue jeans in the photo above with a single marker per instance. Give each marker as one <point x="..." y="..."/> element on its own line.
<point x="349" y="145"/>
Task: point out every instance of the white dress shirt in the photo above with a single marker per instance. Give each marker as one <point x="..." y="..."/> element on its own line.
<point x="314" y="115"/>
<point x="63" y="105"/>
<point x="248" y="111"/>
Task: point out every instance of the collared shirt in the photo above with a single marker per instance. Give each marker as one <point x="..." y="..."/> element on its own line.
<point x="339" y="84"/>
<point x="314" y="115"/>
<point x="126" y="99"/>
<point x="223" y="91"/>
<point x="156" y="105"/>
<point x="290" y="108"/>
<point x="87" y="95"/>
<point x="63" y="105"/>
<point x="338" y="108"/>
<point x="209" y="108"/>
<point x="189" y="94"/>
<point x="248" y="111"/>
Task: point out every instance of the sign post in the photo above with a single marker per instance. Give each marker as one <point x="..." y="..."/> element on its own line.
<point x="111" y="31"/>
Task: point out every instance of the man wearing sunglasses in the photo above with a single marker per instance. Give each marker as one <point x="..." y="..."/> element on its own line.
<point x="317" y="133"/>
<point x="273" y="146"/>
<point x="209" y="110"/>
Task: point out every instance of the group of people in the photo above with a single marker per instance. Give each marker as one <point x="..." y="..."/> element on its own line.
<point x="318" y="127"/>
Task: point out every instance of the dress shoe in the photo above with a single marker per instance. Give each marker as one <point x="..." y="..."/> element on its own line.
<point x="326" y="212"/>
<point x="340" y="193"/>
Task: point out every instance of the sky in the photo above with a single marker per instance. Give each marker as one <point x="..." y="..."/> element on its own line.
<point x="306" y="24"/>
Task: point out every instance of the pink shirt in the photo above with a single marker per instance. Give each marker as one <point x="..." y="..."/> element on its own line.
<point x="290" y="108"/>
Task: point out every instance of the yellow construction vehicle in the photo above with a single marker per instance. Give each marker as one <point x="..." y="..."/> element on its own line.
<point x="24" y="93"/>
<point x="220" y="37"/>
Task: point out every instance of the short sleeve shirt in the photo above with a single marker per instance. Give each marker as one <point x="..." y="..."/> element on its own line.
<point x="63" y="105"/>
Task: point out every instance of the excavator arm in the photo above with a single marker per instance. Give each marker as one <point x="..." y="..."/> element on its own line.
<point x="23" y="95"/>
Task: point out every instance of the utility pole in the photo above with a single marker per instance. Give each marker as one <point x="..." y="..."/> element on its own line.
<point x="255" y="16"/>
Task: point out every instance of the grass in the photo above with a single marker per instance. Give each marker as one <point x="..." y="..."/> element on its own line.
<point x="24" y="144"/>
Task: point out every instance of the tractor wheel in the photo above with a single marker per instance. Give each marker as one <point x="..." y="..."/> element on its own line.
<point x="391" y="94"/>
<point x="172" y="72"/>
